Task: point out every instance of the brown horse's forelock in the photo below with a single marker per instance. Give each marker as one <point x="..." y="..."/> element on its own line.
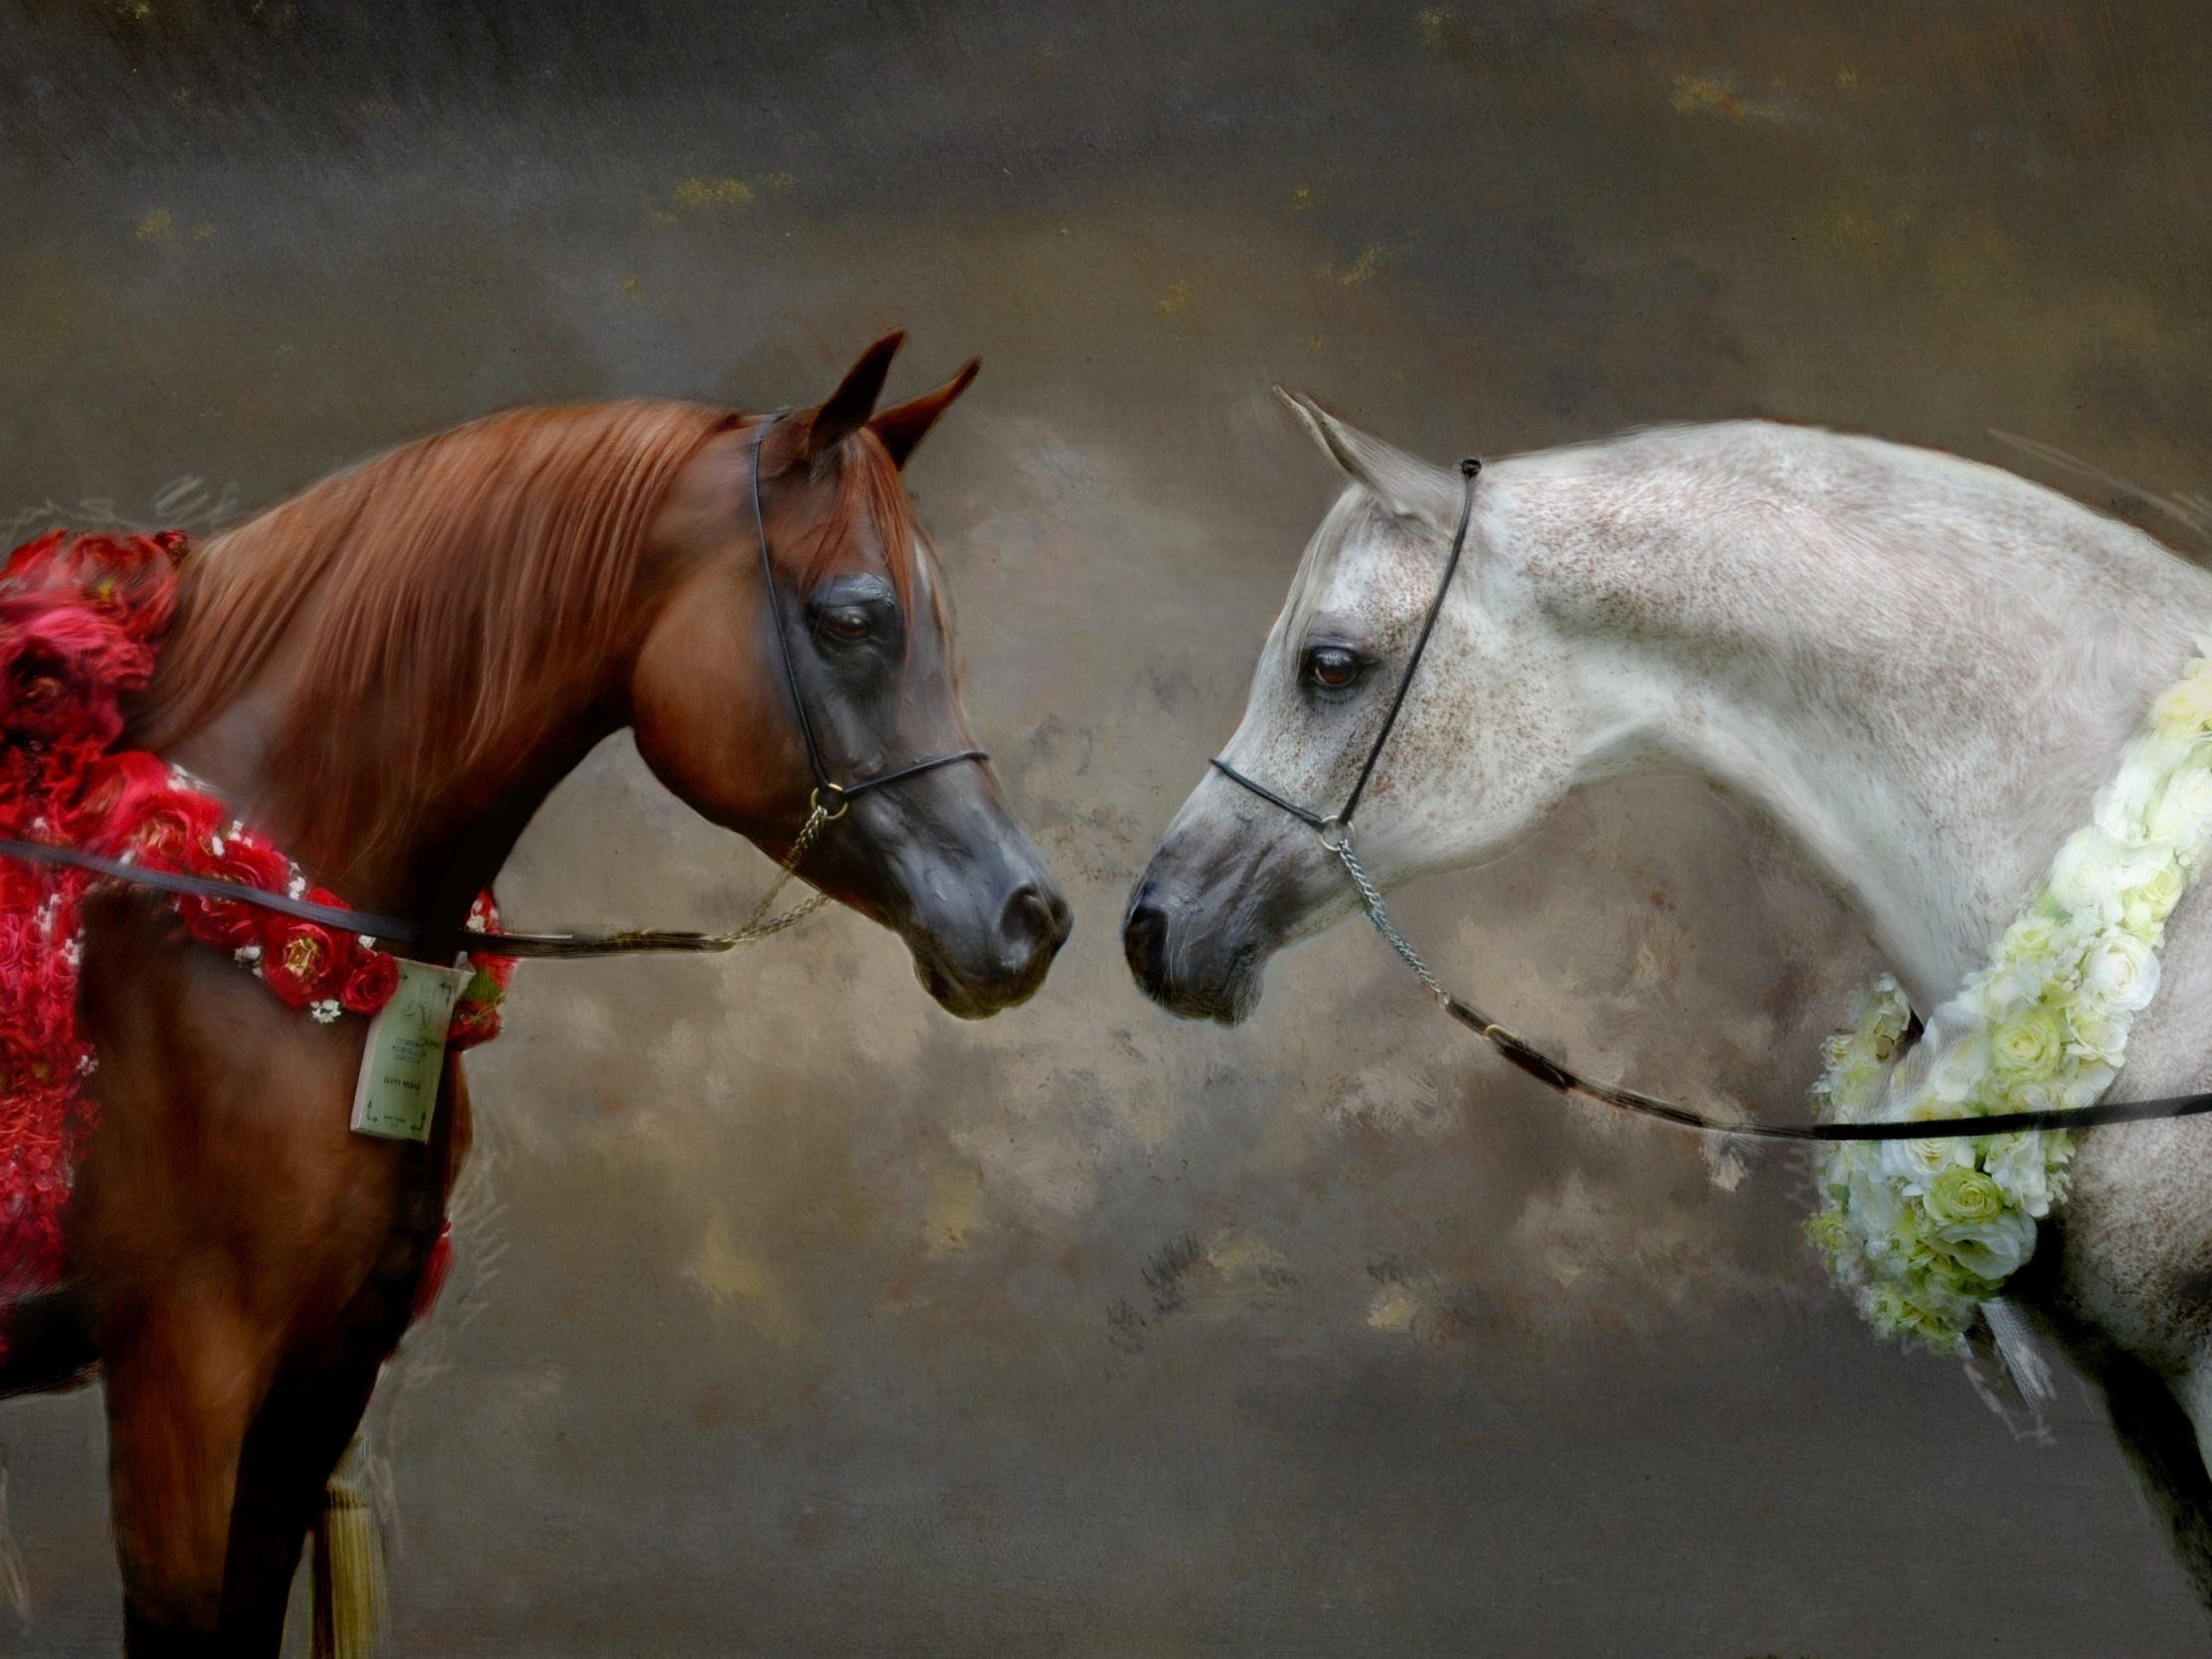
<point x="439" y="583"/>
<point x="868" y="492"/>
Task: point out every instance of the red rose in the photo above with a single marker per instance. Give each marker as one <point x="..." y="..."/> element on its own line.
<point x="132" y="803"/>
<point x="115" y="791"/>
<point x="61" y="669"/>
<point x="27" y="1062"/>
<point x="33" y="566"/>
<point x="496" y="973"/>
<point x="477" y="1014"/>
<point x="475" y="1017"/>
<point x="369" y="983"/>
<point x="132" y="580"/>
<point x="223" y="923"/>
<point x="20" y="939"/>
<point x="305" y="962"/>
<point x="172" y="831"/>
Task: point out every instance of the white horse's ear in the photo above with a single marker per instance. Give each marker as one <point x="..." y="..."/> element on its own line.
<point x="1406" y="486"/>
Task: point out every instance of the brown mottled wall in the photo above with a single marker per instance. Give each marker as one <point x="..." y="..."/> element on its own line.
<point x="792" y="1317"/>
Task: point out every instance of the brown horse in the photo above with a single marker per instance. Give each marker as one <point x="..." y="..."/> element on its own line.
<point x="386" y="675"/>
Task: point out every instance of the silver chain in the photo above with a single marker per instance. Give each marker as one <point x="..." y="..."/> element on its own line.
<point x="1371" y="901"/>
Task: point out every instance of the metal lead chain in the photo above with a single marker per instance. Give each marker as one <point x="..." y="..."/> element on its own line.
<point x="1341" y="845"/>
<point x="755" y="928"/>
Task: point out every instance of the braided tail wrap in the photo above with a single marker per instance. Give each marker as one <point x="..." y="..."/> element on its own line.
<point x="348" y="1576"/>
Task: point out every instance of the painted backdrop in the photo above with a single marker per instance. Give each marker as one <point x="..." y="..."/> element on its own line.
<point x="793" y="1317"/>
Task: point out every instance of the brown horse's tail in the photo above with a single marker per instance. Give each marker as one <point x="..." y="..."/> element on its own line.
<point x="349" y="1602"/>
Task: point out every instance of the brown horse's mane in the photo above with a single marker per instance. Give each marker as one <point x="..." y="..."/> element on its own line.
<point x="435" y="584"/>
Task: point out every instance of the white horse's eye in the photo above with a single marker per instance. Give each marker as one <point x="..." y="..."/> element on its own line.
<point x="1332" y="667"/>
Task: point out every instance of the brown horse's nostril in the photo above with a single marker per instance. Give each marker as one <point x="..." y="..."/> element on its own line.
<point x="1035" y="918"/>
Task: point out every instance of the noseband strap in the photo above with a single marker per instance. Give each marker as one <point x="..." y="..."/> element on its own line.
<point x="829" y="797"/>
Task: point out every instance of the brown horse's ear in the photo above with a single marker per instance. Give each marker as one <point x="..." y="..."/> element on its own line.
<point x="846" y="410"/>
<point x="904" y="426"/>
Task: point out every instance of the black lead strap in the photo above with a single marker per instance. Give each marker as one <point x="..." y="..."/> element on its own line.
<point x="1335" y="835"/>
<point x="387" y="928"/>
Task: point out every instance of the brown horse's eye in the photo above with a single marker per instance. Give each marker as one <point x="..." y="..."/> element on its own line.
<point x="1332" y="667"/>
<point x="849" y="625"/>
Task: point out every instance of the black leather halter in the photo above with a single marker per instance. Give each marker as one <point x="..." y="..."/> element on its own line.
<point x="1339" y="824"/>
<point x="1336" y="835"/>
<point x="392" y="930"/>
<point x="840" y="794"/>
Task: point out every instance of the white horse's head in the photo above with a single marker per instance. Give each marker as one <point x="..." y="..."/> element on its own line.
<point x="1492" y="734"/>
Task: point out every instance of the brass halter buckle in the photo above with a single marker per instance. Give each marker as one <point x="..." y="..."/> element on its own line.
<point x="837" y="792"/>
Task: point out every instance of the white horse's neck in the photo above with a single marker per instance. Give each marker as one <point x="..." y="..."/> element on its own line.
<point x="1920" y="668"/>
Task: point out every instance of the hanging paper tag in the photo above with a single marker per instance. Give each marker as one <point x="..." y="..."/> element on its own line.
<point x="406" y="1051"/>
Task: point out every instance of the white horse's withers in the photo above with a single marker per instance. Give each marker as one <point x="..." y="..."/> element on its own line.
<point x="1919" y="668"/>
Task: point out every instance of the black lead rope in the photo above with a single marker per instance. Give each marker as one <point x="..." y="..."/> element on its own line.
<point x="1336" y="835"/>
<point x="386" y="930"/>
<point x="389" y="930"/>
<point x="207" y="887"/>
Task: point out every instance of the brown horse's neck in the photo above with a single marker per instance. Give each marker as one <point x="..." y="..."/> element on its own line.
<point x="388" y="674"/>
<point x="418" y="855"/>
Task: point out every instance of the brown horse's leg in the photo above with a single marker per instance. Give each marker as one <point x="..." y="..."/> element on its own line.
<point x="294" y="1444"/>
<point x="314" y="1405"/>
<point x="183" y="1380"/>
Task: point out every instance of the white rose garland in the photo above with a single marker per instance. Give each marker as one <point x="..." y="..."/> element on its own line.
<point x="1924" y="1232"/>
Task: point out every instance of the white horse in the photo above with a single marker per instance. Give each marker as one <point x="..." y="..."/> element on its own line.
<point x="1919" y="668"/>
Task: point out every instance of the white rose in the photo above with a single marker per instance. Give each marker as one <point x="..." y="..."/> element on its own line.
<point x="2078" y="1086"/>
<point x="2029" y="941"/>
<point x="1953" y="1078"/>
<point x="2097" y="1033"/>
<point x="2016" y="1163"/>
<point x="1848" y="1088"/>
<point x="1994" y="1249"/>
<point x="2005" y="992"/>
<point x="2182" y="808"/>
<point x="2184" y="708"/>
<point x="2119" y="972"/>
<point x="2028" y="1047"/>
<point x="1915" y="1165"/>
<point x="1831" y="1165"/>
<point x="2144" y="907"/>
<point x="2087" y="876"/>
<point x="1874" y="1202"/>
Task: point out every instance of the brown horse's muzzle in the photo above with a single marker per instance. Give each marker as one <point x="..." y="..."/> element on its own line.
<point x="942" y="861"/>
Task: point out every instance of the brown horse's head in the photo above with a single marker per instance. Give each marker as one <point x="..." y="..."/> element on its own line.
<point x="860" y="600"/>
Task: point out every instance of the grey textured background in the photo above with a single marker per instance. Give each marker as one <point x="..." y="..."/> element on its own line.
<point x="795" y="1318"/>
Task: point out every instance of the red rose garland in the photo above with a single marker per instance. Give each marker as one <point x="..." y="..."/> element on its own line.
<point x="80" y="617"/>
